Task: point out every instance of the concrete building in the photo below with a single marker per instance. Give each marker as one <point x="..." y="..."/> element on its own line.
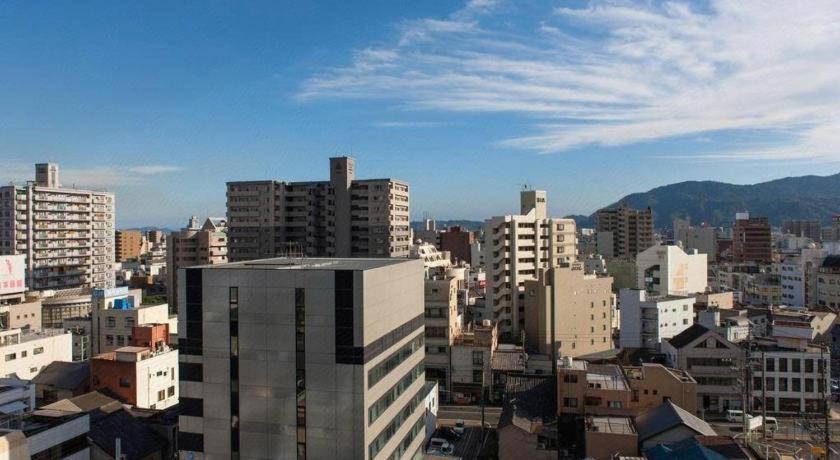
<point x="703" y="239"/>
<point x="796" y="377"/>
<point x="751" y="239"/>
<point x="472" y="361"/>
<point x="443" y="324"/>
<point x="805" y="228"/>
<point x="16" y="310"/>
<point x="116" y="312"/>
<point x="57" y="306"/>
<point x="516" y="246"/>
<point x="624" y="232"/>
<point x="82" y="330"/>
<point x="669" y="423"/>
<point x="17" y="397"/>
<point x="66" y="234"/>
<point x="613" y="390"/>
<point x="194" y="245"/>
<point x="26" y="353"/>
<point x="570" y="309"/>
<point x="798" y="273"/>
<point x="128" y="244"/>
<point x="646" y="320"/>
<point x="141" y="376"/>
<point x="458" y="242"/>
<point x="312" y="358"/>
<point x="713" y="361"/>
<point x="342" y="217"/>
<point x="668" y="270"/>
<point x="46" y="434"/>
<point x="62" y="380"/>
<point x="528" y="423"/>
<point x="828" y="283"/>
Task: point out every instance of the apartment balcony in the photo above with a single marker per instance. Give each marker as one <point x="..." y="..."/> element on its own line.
<point x="20" y="207"/>
<point x="61" y="236"/>
<point x="55" y="254"/>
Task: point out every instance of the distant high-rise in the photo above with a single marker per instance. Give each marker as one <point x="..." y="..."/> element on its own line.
<point x="516" y="246"/>
<point x="342" y="217"/>
<point x="807" y="228"/>
<point x="66" y="234"/>
<point x="751" y="239"/>
<point x="129" y="244"/>
<point x="624" y="232"/>
<point x="194" y="245"/>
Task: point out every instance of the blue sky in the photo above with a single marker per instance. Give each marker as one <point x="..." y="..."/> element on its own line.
<point x="162" y="102"/>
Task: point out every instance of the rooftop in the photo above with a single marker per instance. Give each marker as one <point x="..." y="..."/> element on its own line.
<point x="617" y="425"/>
<point x="667" y="416"/>
<point x="309" y="263"/>
<point x="687" y="336"/>
<point x="40" y="420"/>
<point x="606" y="377"/>
<point x="64" y="375"/>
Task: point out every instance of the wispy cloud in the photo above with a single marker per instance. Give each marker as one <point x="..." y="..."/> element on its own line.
<point x="618" y="72"/>
<point x="106" y="176"/>
<point x="407" y="124"/>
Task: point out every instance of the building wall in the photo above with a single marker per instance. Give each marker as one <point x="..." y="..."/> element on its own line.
<point x="458" y="242"/>
<point x="41" y="349"/>
<point x="669" y="270"/>
<point x="515" y="443"/>
<point x="128" y="244"/>
<point x="656" y="384"/>
<point x="338" y="394"/>
<point x="23" y="315"/>
<point x="583" y="312"/>
<point x="804" y="400"/>
<point x="605" y="445"/>
<point x="629" y="230"/>
<point x="441" y="302"/>
<point x="645" y="321"/>
<point x="188" y="248"/>
<point x="751" y="239"/>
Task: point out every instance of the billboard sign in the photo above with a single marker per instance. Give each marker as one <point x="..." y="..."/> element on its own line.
<point x="12" y="274"/>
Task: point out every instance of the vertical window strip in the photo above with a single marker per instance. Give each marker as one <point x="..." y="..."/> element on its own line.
<point x="300" y="370"/>
<point x="233" y="295"/>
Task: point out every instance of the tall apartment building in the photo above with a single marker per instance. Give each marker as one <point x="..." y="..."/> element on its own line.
<point x="624" y="232"/>
<point x="194" y="245"/>
<point x="516" y="246"/>
<point x="66" y="234"/>
<point x="128" y="244"/>
<point x="442" y="326"/>
<point x="808" y="228"/>
<point x="342" y="217"/>
<point x="570" y="309"/>
<point x="751" y="239"/>
<point x="458" y="242"/>
<point x="703" y="239"/>
<point x="302" y="358"/>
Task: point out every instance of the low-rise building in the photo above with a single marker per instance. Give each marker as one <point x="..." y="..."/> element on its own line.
<point x="116" y="311"/>
<point x="790" y="379"/>
<point x="528" y="422"/>
<point x="713" y="361"/>
<point x="472" y="355"/>
<point x="62" y="380"/>
<point x="610" y="437"/>
<point x="828" y="282"/>
<point x="668" y="423"/>
<point x="17" y="397"/>
<point x="27" y="353"/>
<point x="646" y="320"/>
<point x="45" y="434"/>
<point x="141" y="376"/>
<point x="668" y="270"/>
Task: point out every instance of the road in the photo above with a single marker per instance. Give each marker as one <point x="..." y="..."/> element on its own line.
<point x="794" y="434"/>
<point x="471" y="415"/>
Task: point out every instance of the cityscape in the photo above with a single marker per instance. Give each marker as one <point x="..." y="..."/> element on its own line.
<point x="368" y="287"/>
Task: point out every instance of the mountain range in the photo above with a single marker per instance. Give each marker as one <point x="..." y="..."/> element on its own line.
<point x="715" y="203"/>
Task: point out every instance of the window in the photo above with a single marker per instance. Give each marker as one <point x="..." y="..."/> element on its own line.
<point x="796" y="364"/>
<point x="809" y="385"/>
<point x="783" y="384"/>
<point x="109" y="340"/>
<point x="570" y="402"/>
<point x="125" y="383"/>
<point x="570" y="378"/>
<point x="770" y="383"/>
<point x="783" y="365"/>
<point x="478" y="358"/>
<point x="770" y="365"/>
<point x="23" y="354"/>
<point x="120" y="340"/>
<point x="11" y="357"/>
<point x="614" y="404"/>
<point x="809" y="365"/>
<point x="478" y="376"/>
<point x="795" y="384"/>
<point x="161" y="395"/>
<point x="38" y="350"/>
<point x="112" y="321"/>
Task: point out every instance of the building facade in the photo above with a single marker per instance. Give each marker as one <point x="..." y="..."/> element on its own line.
<point x="342" y="217"/>
<point x="194" y="245"/>
<point x="573" y="307"/>
<point x="516" y="246"/>
<point x="66" y="234"/>
<point x="703" y="239"/>
<point x="458" y="242"/>
<point x="828" y="283"/>
<point x="624" y="232"/>
<point x="26" y="353"/>
<point x="144" y="377"/>
<point x="291" y="358"/>
<point x="128" y="244"/>
<point x="751" y="239"/>
<point x="116" y="312"/>
<point x="442" y="326"/>
<point x="646" y="320"/>
<point x="806" y="228"/>
<point x="668" y="270"/>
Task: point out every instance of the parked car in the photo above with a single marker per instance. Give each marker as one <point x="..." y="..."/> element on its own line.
<point x="448" y="434"/>
<point x="459" y="427"/>
<point x="440" y="446"/>
<point x="734" y="416"/>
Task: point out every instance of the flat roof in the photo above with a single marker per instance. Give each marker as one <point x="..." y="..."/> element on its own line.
<point x="310" y="263"/>
<point x="618" y="425"/>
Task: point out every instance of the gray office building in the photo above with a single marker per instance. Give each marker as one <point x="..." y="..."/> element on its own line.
<point x="341" y="217"/>
<point x="294" y="358"/>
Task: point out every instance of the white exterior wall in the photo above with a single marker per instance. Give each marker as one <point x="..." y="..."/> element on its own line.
<point x="155" y="374"/>
<point x="56" y="345"/>
<point x="773" y="405"/>
<point x="679" y="273"/>
<point x="645" y="323"/>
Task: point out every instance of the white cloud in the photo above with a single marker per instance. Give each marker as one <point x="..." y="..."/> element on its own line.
<point x="98" y="177"/>
<point x="406" y="124"/>
<point x="154" y="169"/>
<point x="618" y="72"/>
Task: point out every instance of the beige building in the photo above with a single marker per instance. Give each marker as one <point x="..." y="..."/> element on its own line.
<point x="668" y="270"/>
<point x="302" y="358"/>
<point x="607" y="436"/>
<point x="194" y="245"/>
<point x="115" y="312"/>
<point x="66" y="234"/>
<point x="516" y="246"/>
<point x="342" y="217"/>
<point x="442" y="326"/>
<point x="612" y="390"/>
<point x="472" y="360"/>
<point x="128" y="244"/>
<point x="574" y="308"/>
<point x="828" y="283"/>
<point x="703" y="239"/>
<point x="624" y="232"/>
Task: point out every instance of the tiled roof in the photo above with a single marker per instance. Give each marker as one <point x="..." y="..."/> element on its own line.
<point x="667" y="416"/>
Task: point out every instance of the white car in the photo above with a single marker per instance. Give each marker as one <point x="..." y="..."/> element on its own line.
<point x="459" y="427"/>
<point x="440" y="446"/>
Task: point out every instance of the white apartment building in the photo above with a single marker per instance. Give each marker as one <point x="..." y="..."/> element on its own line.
<point x="341" y="217"/>
<point x="115" y="312"/>
<point x="668" y="270"/>
<point x="516" y="246"/>
<point x="798" y="275"/>
<point x="646" y="320"/>
<point x="66" y="234"/>
<point x="302" y="358"/>
<point x="143" y="377"/>
<point x="26" y="353"/>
